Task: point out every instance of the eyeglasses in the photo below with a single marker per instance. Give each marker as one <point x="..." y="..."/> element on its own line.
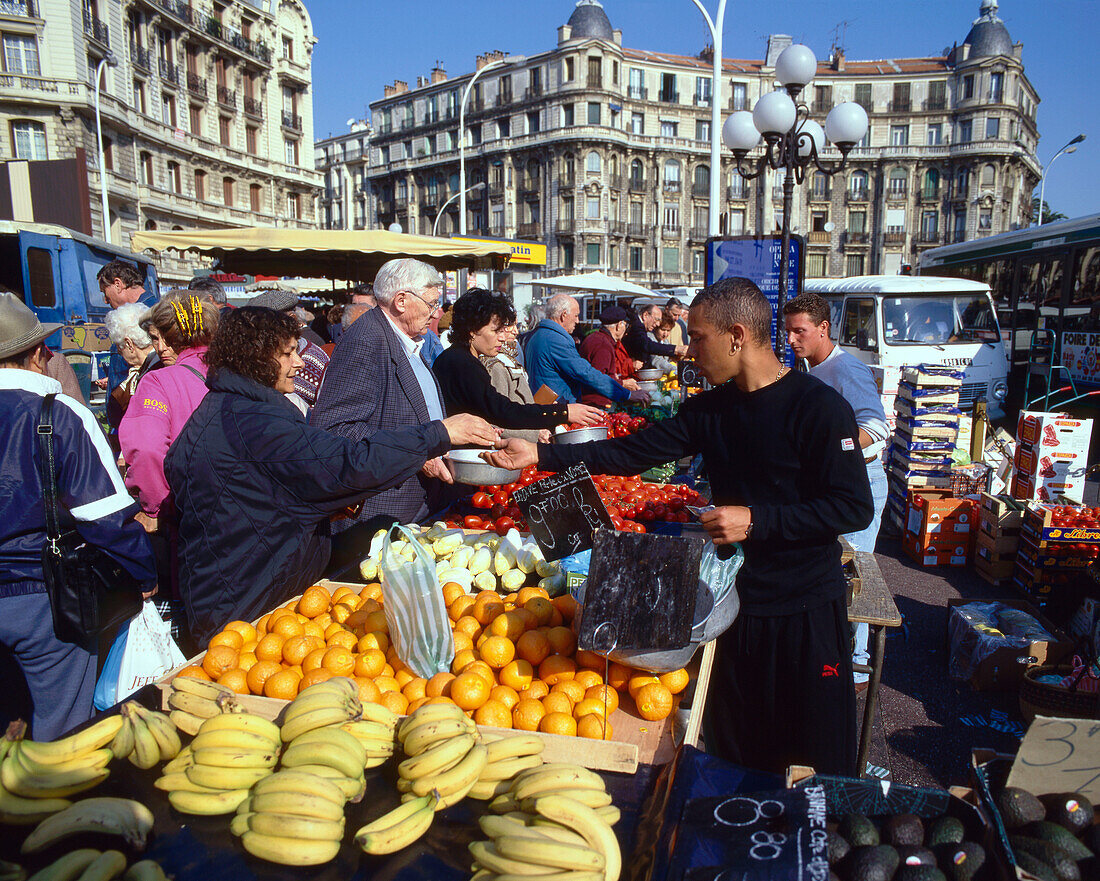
<point x="432" y="307"/>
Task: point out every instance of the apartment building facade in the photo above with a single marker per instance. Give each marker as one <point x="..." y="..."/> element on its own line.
<point x="206" y="109"/>
<point x="341" y="161"/>
<point x="603" y="153"/>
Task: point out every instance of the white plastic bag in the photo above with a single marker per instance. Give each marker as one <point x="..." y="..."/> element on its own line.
<point x="150" y="651"/>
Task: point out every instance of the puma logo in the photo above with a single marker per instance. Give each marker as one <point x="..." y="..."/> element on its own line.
<point x="828" y="670"/>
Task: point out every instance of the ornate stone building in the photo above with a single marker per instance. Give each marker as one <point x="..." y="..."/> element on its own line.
<point x="207" y="117"/>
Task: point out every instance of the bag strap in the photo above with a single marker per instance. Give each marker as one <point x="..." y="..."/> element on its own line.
<point x="47" y="471"/>
<point x="196" y="372"/>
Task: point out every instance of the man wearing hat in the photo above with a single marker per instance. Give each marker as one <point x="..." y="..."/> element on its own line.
<point x="604" y="350"/>
<point x="60" y="676"/>
<point x="307" y="382"/>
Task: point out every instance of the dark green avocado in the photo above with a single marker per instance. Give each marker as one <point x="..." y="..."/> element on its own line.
<point x="919" y="873"/>
<point x="1064" y="868"/>
<point x="915" y="855"/>
<point x="858" y="831"/>
<point x="871" y="863"/>
<point x="1019" y="807"/>
<point x="945" y="830"/>
<point x="903" y="829"/>
<point x="1059" y="836"/>
<point x="960" y="862"/>
<point x="1069" y="809"/>
<point x="838" y="848"/>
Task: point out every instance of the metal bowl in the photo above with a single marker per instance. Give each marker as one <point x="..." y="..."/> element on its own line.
<point x="468" y="467"/>
<point x="649" y="387"/>
<point x="648" y="375"/>
<point x="581" y="435"/>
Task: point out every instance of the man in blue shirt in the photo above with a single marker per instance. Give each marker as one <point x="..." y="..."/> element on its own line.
<point x="552" y="359"/>
<point x="121" y="282"/>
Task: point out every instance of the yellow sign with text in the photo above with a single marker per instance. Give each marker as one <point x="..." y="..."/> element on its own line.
<point x="528" y="253"/>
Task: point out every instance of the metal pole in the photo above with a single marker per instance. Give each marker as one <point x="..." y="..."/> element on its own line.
<point x="462" y="145"/>
<point x="785" y="256"/>
<point x="715" y="26"/>
<point x="102" y="162"/>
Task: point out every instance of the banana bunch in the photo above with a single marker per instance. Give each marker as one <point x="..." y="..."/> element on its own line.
<point x="12" y="871"/>
<point x="214" y="773"/>
<point x="507" y="757"/>
<point x="554" y="779"/>
<point x="332" y="702"/>
<point x="331" y="753"/>
<point x="89" y="864"/>
<point x="445" y="755"/>
<point x="399" y="828"/>
<point x="559" y="834"/>
<point x="129" y="820"/>
<point x="146" y="737"/>
<point x="193" y="700"/>
<point x="36" y="777"/>
<point x="292" y="817"/>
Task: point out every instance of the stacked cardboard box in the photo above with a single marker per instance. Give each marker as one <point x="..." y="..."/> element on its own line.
<point x="1051" y="457"/>
<point x="999" y="521"/>
<point x="927" y="414"/>
<point x="939" y="529"/>
<point x="1057" y="544"/>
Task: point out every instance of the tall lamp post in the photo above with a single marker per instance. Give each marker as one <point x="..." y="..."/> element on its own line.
<point x="715" y="26"/>
<point x="108" y="60"/>
<point x="500" y="62"/>
<point x="1068" y="148"/>
<point x="476" y="188"/>
<point x="792" y="142"/>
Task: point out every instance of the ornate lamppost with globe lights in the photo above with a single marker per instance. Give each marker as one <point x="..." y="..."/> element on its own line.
<point x="792" y="142"/>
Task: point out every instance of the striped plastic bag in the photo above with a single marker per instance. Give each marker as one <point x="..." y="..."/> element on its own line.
<point x="413" y="603"/>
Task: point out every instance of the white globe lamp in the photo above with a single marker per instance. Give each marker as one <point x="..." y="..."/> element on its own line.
<point x="739" y="133"/>
<point x="846" y="125"/>
<point x="774" y="113"/>
<point x="809" y="132"/>
<point x="796" y="66"/>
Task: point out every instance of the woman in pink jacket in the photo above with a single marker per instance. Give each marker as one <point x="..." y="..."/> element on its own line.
<point x="181" y="326"/>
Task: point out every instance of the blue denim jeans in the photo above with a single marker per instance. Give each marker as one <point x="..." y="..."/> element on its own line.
<point x="865" y="540"/>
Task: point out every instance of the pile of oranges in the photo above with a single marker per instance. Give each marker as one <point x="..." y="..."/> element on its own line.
<point x="516" y="661"/>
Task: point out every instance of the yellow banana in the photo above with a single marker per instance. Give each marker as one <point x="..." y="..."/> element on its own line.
<point x="350" y="787"/>
<point x="544" y="852"/>
<point x="382" y="715"/>
<point x="145" y="870"/>
<point x="146" y="752"/>
<point x="609" y="814"/>
<point x="181" y="761"/>
<point x="225" y="778"/>
<point x="424" y="736"/>
<point x="203" y="707"/>
<point x="307" y="702"/>
<point x="344" y="685"/>
<point x="366" y="730"/>
<point x="399" y="828"/>
<point x="555" y="875"/>
<point x="128" y="819"/>
<point x="289" y="851"/>
<point x="495" y="825"/>
<point x="239" y="824"/>
<point x="547" y="778"/>
<point x="207" y="803"/>
<point x="486" y="790"/>
<point x="515" y="746"/>
<point x="333" y="736"/>
<point x="296" y="826"/>
<point x="504" y="804"/>
<point x="319" y="717"/>
<point x="550" y="829"/>
<point x="437" y="758"/>
<point x="237" y="739"/>
<point x="487" y="856"/>
<point x="295" y="803"/>
<point x="164" y="732"/>
<point x="98" y="758"/>
<point x="304" y="784"/>
<point x="506" y="769"/>
<point x="68" y="867"/>
<point x="123" y="743"/>
<point x="428" y="713"/>
<point x="186" y="722"/>
<point x="586" y="823"/>
<point x="58" y="752"/>
<point x="16" y="779"/>
<point x="242" y="722"/>
<point x="452" y="785"/>
<point x="336" y="757"/>
<point x="590" y="798"/>
<point x="19" y="811"/>
<point x="200" y="687"/>
<point x="177" y="781"/>
<point x="224" y="757"/>
<point x="109" y="864"/>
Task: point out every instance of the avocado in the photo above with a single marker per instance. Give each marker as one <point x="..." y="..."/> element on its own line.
<point x="915" y="855"/>
<point x="1060" y="836"/>
<point x="945" y="830"/>
<point x="837" y="848"/>
<point x="1019" y="807"/>
<point x="903" y="829"/>
<point x="919" y="873"/>
<point x="871" y="863"/>
<point x="960" y="862"/>
<point x="1069" y="809"/>
<point x="858" y="831"/>
<point x="1036" y="867"/>
<point x="1053" y="856"/>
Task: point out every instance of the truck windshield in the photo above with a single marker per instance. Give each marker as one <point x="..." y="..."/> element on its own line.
<point x="915" y="320"/>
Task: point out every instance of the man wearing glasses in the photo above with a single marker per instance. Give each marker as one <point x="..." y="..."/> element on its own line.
<point x="378" y="379"/>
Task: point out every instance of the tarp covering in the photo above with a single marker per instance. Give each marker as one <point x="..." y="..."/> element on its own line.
<point x="596" y="282"/>
<point x="346" y="254"/>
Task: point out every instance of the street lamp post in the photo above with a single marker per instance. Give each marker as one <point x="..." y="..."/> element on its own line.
<point x="480" y="185"/>
<point x="715" y="26"/>
<point x="792" y="141"/>
<point x="500" y="62"/>
<point x="1068" y="148"/>
<point x="108" y="60"/>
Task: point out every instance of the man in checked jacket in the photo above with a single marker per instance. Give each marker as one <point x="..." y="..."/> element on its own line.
<point x="378" y="379"/>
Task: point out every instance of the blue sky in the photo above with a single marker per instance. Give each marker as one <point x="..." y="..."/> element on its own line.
<point x="363" y="44"/>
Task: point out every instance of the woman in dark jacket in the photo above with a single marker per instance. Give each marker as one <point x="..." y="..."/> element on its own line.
<point x="479" y="328"/>
<point x="255" y="485"/>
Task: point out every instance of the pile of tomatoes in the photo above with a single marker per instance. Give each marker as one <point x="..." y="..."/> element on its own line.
<point x="1071" y="516"/>
<point x="617" y="424"/>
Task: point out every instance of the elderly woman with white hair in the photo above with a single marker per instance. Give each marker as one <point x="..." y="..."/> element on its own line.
<point x="124" y="327"/>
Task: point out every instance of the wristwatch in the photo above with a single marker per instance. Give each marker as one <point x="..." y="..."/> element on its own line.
<point x="748" y="529"/>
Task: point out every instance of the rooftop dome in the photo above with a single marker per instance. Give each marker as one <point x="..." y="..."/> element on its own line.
<point x="589" y="21"/>
<point x="988" y="36"/>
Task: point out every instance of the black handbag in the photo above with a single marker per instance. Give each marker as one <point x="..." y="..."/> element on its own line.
<point x="88" y="589"/>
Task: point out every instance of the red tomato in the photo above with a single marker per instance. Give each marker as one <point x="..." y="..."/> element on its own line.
<point x="676" y="503"/>
<point x="472" y="521"/>
<point x="638" y="527"/>
<point x="514" y="512"/>
<point x="491" y="488"/>
<point x="527" y="479"/>
<point x="660" y="512"/>
<point x="512" y="487"/>
<point x="481" y="500"/>
<point x="500" y="497"/>
<point x="613" y="511"/>
<point x="497" y="511"/>
<point x="617" y="521"/>
<point x="503" y="524"/>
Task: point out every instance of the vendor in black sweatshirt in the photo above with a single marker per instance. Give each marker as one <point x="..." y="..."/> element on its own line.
<point x="782" y="452"/>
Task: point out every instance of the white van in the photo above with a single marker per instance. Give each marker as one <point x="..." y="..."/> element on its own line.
<point x="903" y="320"/>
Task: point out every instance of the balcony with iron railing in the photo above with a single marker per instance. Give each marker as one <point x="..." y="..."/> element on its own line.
<point x="496" y="188"/>
<point x="820" y="195"/>
<point x="933" y="104"/>
<point x="529" y="188"/>
<point x="897" y="192"/>
<point x="670" y="230"/>
<point x="698" y="233"/>
<point x="928" y="237"/>
<point x="738" y="192"/>
<point x="169" y="72"/>
<point x="253" y="108"/>
<point x="196" y="85"/>
<point x="615" y="181"/>
<point x="227" y="97"/>
<point x="737" y="103"/>
<point x="818" y="237"/>
<point x="96" y="29"/>
<point x="821" y="106"/>
<point x="532" y="93"/>
<point x="566" y="181"/>
<point x="894" y="237"/>
<point x="179" y="8"/>
<point x="21" y="8"/>
<point x="400" y="203"/>
<point x="701" y="100"/>
<point x="930" y="194"/>
<point x="565" y="226"/>
<point x="636" y="184"/>
<point x="529" y="230"/>
<point x="636" y="231"/>
<point x="900" y="106"/>
<point x="856" y="238"/>
<point x="617" y="228"/>
<point x="213" y="27"/>
<point x="671" y="186"/>
<point x="637" y="93"/>
<point x="668" y="97"/>
<point x="292" y="121"/>
<point x="141" y="59"/>
<point x="857" y="195"/>
<point x="700" y="189"/>
<point x="867" y="104"/>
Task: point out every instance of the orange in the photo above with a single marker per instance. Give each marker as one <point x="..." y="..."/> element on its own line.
<point x="276" y="614"/>
<point x="288" y="625"/>
<point x="527" y="714"/>
<point x="315" y="601"/>
<point x="533" y="647"/>
<point x="556" y="702"/>
<point x="387" y="670"/>
<point x="297" y="668"/>
<point x="587" y="706"/>
<point x="506" y="695"/>
<point x="313" y="677"/>
<point x="416" y="704"/>
<point x="368" y="605"/>
<point x="510" y="600"/>
<point x="588" y="678"/>
<point x="556" y="668"/>
<point x="537" y="690"/>
<point x="314" y="628"/>
<point x="333" y="628"/>
<point x="194" y="671"/>
<point x="462" y="641"/>
<point x="368" y="691"/>
<point x="341" y="612"/>
<point x="297" y="647"/>
<point x="469" y="625"/>
<point x="470" y="691"/>
<point x="541" y="608"/>
<point x="653" y="701"/>
<point x="638" y="680"/>
<point x="493" y="713"/>
<point x="261" y="625"/>
<point x="415" y="688"/>
<point x="321" y="622"/>
<point x="386" y="683"/>
<point x="439" y="700"/>
<point x="462" y="658"/>
<point x="487" y="606"/>
<point x="594" y="726"/>
<point x="313" y="660"/>
<point x="218" y="659"/>
<point x="339" y="661"/>
<point x="345" y="639"/>
<point x="374" y="640"/>
<point x="604" y="693"/>
<point x="376" y="621"/>
<point x="518" y="674"/>
<point x="452" y="590"/>
<point x="460" y="606"/>
<point x="510" y="625"/>
<point x="675" y="681"/>
<point x="395" y="702"/>
<point x="590" y="660"/>
<point x="566" y="606"/>
<point x="530" y="621"/>
<point x="283" y="685"/>
<point x="372" y="591"/>
<point x="357" y="619"/>
<point x="483" y="670"/>
<point x="235" y="679"/>
<point x="562" y="641"/>
<point x="618" y="676"/>
<point x="259" y="674"/>
<point x="439" y="685"/>
<point x="246" y="661"/>
<point x="498" y="651"/>
<point x="558" y="723"/>
<point x="403" y="676"/>
<point x="230" y="638"/>
<point x="342" y="591"/>
<point x="527" y="593"/>
<point x="571" y="689"/>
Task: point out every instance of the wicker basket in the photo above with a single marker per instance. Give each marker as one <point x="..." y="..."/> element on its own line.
<point x="1040" y="699"/>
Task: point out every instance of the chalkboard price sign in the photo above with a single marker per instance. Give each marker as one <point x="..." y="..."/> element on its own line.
<point x="689" y="375"/>
<point x="562" y="511"/>
<point x="641" y="592"/>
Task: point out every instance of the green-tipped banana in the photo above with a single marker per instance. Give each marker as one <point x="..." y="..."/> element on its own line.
<point x="126" y="818"/>
<point x="146" y="752"/>
<point x="123" y="743"/>
<point x="18" y="780"/>
<point x="12" y="871"/>
<point x="399" y="828"/>
<point x="207" y="803"/>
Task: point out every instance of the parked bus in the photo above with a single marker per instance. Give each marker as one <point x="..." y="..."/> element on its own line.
<point x="1044" y="277"/>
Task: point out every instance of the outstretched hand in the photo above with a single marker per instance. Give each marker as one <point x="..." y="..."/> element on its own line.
<point x="514" y="454"/>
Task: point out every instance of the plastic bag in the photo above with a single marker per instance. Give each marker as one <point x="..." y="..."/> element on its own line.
<point x="414" y="608"/>
<point x="150" y="651"/>
<point x="105" y="695"/>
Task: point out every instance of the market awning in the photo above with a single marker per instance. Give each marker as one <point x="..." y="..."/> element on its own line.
<point x="347" y="254"/>
<point x="596" y="282"/>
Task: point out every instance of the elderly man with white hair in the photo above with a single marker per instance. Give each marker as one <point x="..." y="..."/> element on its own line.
<point x="552" y="359"/>
<point x="378" y="380"/>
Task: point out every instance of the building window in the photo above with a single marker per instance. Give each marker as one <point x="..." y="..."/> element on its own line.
<point x="592" y="163"/>
<point x="592" y="253"/>
<point x="294" y="206"/>
<point x="592" y="207"/>
<point x="672" y="175"/>
<point x="900" y="104"/>
<point x="968" y="87"/>
<point x="291" y="150"/>
<point x="669" y="128"/>
<point x="637" y="213"/>
<point x="735" y="224"/>
<point x="108" y="155"/>
<point x="966" y="131"/>
<point x="168" y="109"/>
<point x="702" y="129"/>
<point x="28" y="140"/>
<point x="636" y="85"/>
<point x="200" y="185"/>
<point x="635" y="258"/>
<point x="701" y="183"/>
<point x="670" y="260"/>
<point x="931" y="187"/>
<point x="614" y="76"/>
<point x="567" y="114"/>
<point x="175" y="177"/>
<point x="288" y="48"/>
<point x="593" y="113"/>
<point x="569" y="74"/>
<point x="985" y="219"/>
<point x="227" y="191"/>
<point x="930" y="226"/>
<point x="857" y="222"/>
<point x="815" y="266"/>
<point x="595" y="73"/>
<point x="996" y="87"/>
<point x="567" y="255"/>
<point x="139" y="98"/>
<point x="993" y="128"/>
<point x="857" y="184"/>
<point x="702" y="91"/>
<point x="637" y="123"/>
<point x="853" y="265"/>
<point x="21" y="55"/>
<point x="737" y="186"/>
<point x="668" y="89"/>
<point x="532" y="122"/>
<point x="146" y="162"/>
<point x="738" y="96"/>
<point x="255" y="197"/>
<point x="223" y="130"/>
<point x="989" y="177"/>
<point x="899" y="136"/>
<point x="475" y="136"/>
<point x="897" y="185"/>
<point x="670" y="215"/>
<point x="194" y="113"/>
<point x="864" y="97"/>
<point x="251" y="139"/>
<point x="937" y="95"/>
<point x="698" y="262"/>
<point x="504" y="128"/>
<point x="935" y="134"/>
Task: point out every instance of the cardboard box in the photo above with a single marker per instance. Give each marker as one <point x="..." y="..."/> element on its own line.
<point x="994" y="573"/>
<point x="1053" y="432"/>
<point x="937" y="511"/>
<point x="1039" y="526"/>
<point x="938" y="549"/>
<point x="1005" y="539"/>
<point x="998" y="516"/>
<point x="996" y="550"/>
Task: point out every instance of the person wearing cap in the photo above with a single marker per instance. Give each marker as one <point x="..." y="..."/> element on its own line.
<point x="59" y="675"/>
<point x="307" y="382"/>
<point x="643" y="319"/>
<point x="603" y="349"/>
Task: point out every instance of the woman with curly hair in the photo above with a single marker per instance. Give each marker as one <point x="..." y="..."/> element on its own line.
<point x="255" y="484"/>
<point x="479" y="328"/>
